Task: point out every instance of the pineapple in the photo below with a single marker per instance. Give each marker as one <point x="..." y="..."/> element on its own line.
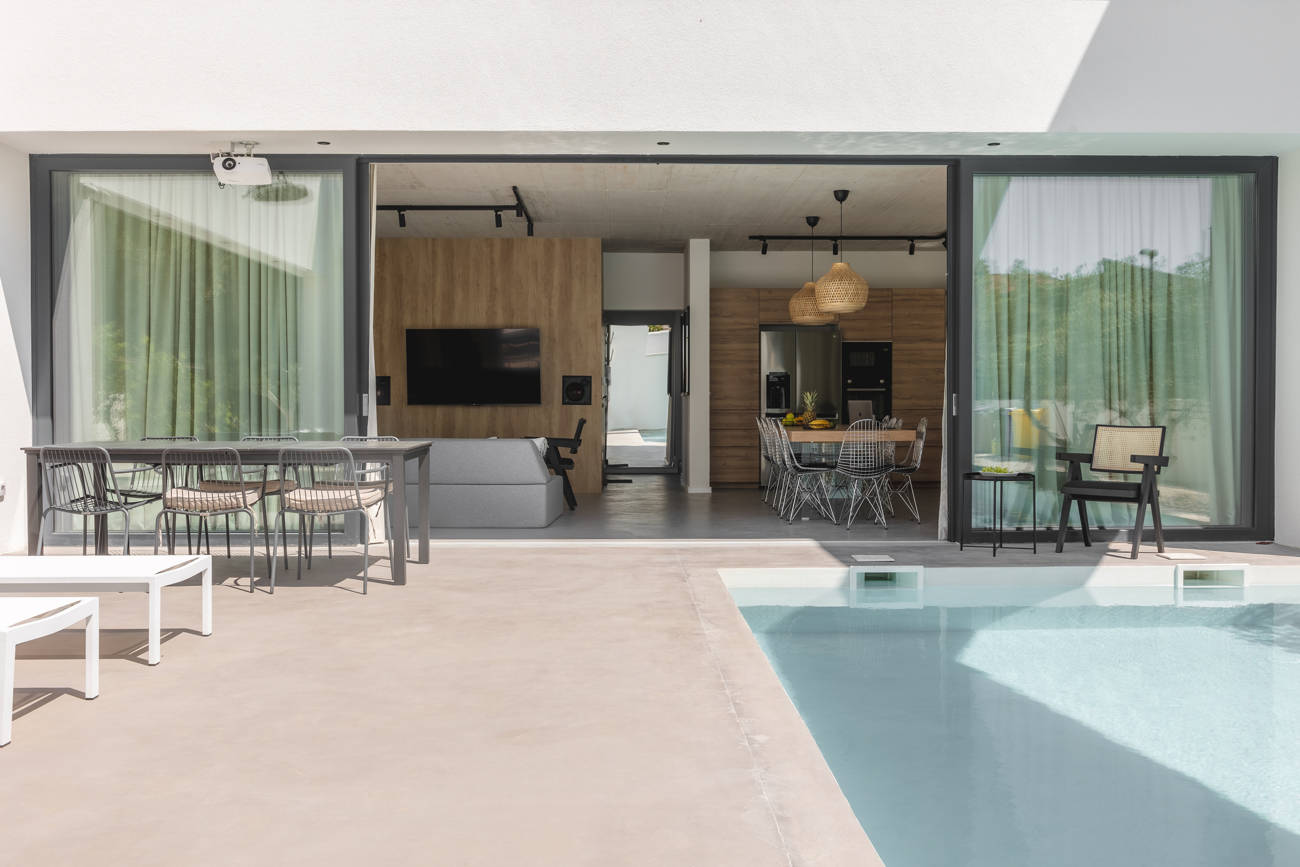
<point x="809" y="400"/>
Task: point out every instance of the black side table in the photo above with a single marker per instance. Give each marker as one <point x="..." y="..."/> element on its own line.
<point x="999" y="504"/>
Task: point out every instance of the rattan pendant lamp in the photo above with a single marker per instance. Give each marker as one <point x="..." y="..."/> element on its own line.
<point x="803" y="304"/>
<point x="841" y="289"/>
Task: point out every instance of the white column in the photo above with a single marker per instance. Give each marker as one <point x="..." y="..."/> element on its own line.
<point x="696" y="470"/>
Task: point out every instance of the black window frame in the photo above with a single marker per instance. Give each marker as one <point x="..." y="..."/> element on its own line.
<point x="1260" y="304"/>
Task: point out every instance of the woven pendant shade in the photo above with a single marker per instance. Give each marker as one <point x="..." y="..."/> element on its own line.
<point x="840" y="290"/>
<point x="804" y="310"/>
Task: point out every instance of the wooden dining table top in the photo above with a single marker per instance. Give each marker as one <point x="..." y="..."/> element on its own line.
<point x="836" y="435"/>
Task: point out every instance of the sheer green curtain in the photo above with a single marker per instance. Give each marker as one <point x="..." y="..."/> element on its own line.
<point x="1111" y="300"/>
<point x="186" y="308"/>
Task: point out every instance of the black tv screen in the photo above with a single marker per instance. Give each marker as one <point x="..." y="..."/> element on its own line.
<point x="473" y="366"/>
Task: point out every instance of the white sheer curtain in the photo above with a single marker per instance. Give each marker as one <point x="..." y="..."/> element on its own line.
<point x="1113" y="300"/>
<point x="186" y="308"/>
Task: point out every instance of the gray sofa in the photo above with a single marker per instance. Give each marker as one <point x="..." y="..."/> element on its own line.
<point x="487" y="483"/>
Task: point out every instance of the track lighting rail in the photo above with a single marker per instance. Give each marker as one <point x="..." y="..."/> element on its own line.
<point x="941" y="236"/>
<point x="518" y="206"/>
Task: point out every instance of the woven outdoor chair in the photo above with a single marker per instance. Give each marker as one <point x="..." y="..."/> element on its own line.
<point x="1129" y="450"/>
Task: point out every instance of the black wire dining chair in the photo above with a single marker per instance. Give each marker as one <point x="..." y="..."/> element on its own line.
<point x="81" y="482"/>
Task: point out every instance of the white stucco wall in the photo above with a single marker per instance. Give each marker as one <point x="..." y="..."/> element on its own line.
<point x="638" y="391"/>
<point x="643" y="281"/>
<point x="896" y="65"/>
<point x="15" y="344"/>
<point x="695" y="410"/>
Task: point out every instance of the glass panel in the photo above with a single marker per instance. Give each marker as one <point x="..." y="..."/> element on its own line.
<point x="637" y="419"/>
<point x="1111" y="300"/>
<point x="186" y="308"/>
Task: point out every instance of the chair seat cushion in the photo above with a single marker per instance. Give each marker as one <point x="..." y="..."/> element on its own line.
<point x="332" y="499"/>
<point x="192" y="500"/>
<point x="271" y="486"/>
<point x="1097" y="489"/>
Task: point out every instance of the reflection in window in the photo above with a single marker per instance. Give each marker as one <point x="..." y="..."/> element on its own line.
<point x="1111" y="300"/>
<point x="186" y="308"/>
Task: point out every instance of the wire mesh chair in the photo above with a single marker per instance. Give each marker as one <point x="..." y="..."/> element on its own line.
<point x="326" y="482"/>
<point x="865" y="462"/>
<point x="806" y="485"/>
<point x="209" y="483"/>
<point x="81" y="482"/>
<point x="144" y="483"/>
<point x="779" y="478"/>
<point x="767" y="462"/>
<point x="902" y="489"/>
<point x="271" y="486"/>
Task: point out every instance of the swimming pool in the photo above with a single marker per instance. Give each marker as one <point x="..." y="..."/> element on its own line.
<point x="1052" y="734"/>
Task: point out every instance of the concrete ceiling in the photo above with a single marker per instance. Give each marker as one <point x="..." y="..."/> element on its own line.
<point x="649" y="207"/>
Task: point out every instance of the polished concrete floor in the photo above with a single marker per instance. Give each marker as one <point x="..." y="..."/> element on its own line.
<point x="658" y="507"/>
<point x="508" y="706"/>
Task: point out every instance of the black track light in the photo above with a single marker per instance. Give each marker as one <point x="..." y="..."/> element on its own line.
<point x="835" y="247"/>
<point x="763" y="250"/>
<point x="530" y="228"/>
<point x="498" y="215"/>
<point x="911" y="248"/>
<point x="401" y="219"/>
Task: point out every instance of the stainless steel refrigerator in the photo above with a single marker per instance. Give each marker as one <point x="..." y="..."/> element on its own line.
<point x="810" y="354"/>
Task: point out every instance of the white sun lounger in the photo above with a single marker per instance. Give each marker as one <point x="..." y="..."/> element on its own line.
<point x="94" y="574"/>
<point x="24" y="619"/>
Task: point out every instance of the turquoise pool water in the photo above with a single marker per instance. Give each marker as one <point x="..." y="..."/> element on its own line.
<point x="1089" y="735"/>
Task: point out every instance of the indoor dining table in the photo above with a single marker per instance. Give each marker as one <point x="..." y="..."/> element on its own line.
<point x="253" y="453"/>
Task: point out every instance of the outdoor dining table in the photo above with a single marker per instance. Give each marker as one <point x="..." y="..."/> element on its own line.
<point x="253" y="454"/>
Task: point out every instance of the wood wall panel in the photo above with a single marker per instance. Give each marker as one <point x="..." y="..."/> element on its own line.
<point x="873" y="322"/>
<point x="734" y="396"/>
<point x="913" y="319"/>
<point x="553" y="284"/>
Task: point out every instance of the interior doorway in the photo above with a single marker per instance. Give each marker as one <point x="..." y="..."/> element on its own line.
<point x="642" y="394"/>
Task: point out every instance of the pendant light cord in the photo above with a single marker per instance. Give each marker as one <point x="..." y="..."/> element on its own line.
<point x="841" y="230"/>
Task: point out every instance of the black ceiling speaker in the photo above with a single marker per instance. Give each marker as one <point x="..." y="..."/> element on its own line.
<point x="576" y="391"/>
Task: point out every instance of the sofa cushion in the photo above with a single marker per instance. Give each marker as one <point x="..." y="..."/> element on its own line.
<point x="486" y="462"/>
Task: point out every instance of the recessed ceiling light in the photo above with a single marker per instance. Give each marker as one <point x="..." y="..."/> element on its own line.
<point x="322" y="142"/>
<point x="663" y="144"/>
<point x="994" y="144"/>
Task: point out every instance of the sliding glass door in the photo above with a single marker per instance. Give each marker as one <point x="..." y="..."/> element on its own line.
<point x="1115" y="299"/>
<point x="184" y="308"/>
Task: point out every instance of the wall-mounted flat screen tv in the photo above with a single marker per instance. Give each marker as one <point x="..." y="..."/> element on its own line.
<point x="473" y="366"/>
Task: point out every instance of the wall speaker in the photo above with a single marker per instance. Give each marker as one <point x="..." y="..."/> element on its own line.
<point x="576" y="391"/>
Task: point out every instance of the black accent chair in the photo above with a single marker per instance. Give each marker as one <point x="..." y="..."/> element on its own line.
<point x="1116" y="449"/>
<point x="561" y="465"/>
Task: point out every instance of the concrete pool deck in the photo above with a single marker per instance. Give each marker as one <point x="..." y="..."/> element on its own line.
<point x="539" y="702"/>
<point x="509" y="705"/>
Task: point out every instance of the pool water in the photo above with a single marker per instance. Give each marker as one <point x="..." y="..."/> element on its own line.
<point x="1089" y="735"/>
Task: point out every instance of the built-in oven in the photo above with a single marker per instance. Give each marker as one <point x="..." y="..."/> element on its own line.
<point x="867" y="368"/>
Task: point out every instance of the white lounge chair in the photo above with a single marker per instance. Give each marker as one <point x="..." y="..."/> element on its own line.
<point x="27" y="618"/>
<point x="93" y="574"/>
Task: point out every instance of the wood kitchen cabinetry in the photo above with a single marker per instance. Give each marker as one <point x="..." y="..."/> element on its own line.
<point x="913" y="319"/>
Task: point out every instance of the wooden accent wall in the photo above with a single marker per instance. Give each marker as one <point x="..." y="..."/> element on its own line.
<point x="553" y="284"/>
<point x="914" y="320"/>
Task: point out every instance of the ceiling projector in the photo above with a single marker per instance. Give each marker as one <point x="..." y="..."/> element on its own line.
<point x="241" y="170"/>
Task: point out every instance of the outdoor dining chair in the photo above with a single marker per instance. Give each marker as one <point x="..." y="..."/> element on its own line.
<point x="81" y="482"/>
<point x="326" y="482"/>
<point x="209" y="483"/>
